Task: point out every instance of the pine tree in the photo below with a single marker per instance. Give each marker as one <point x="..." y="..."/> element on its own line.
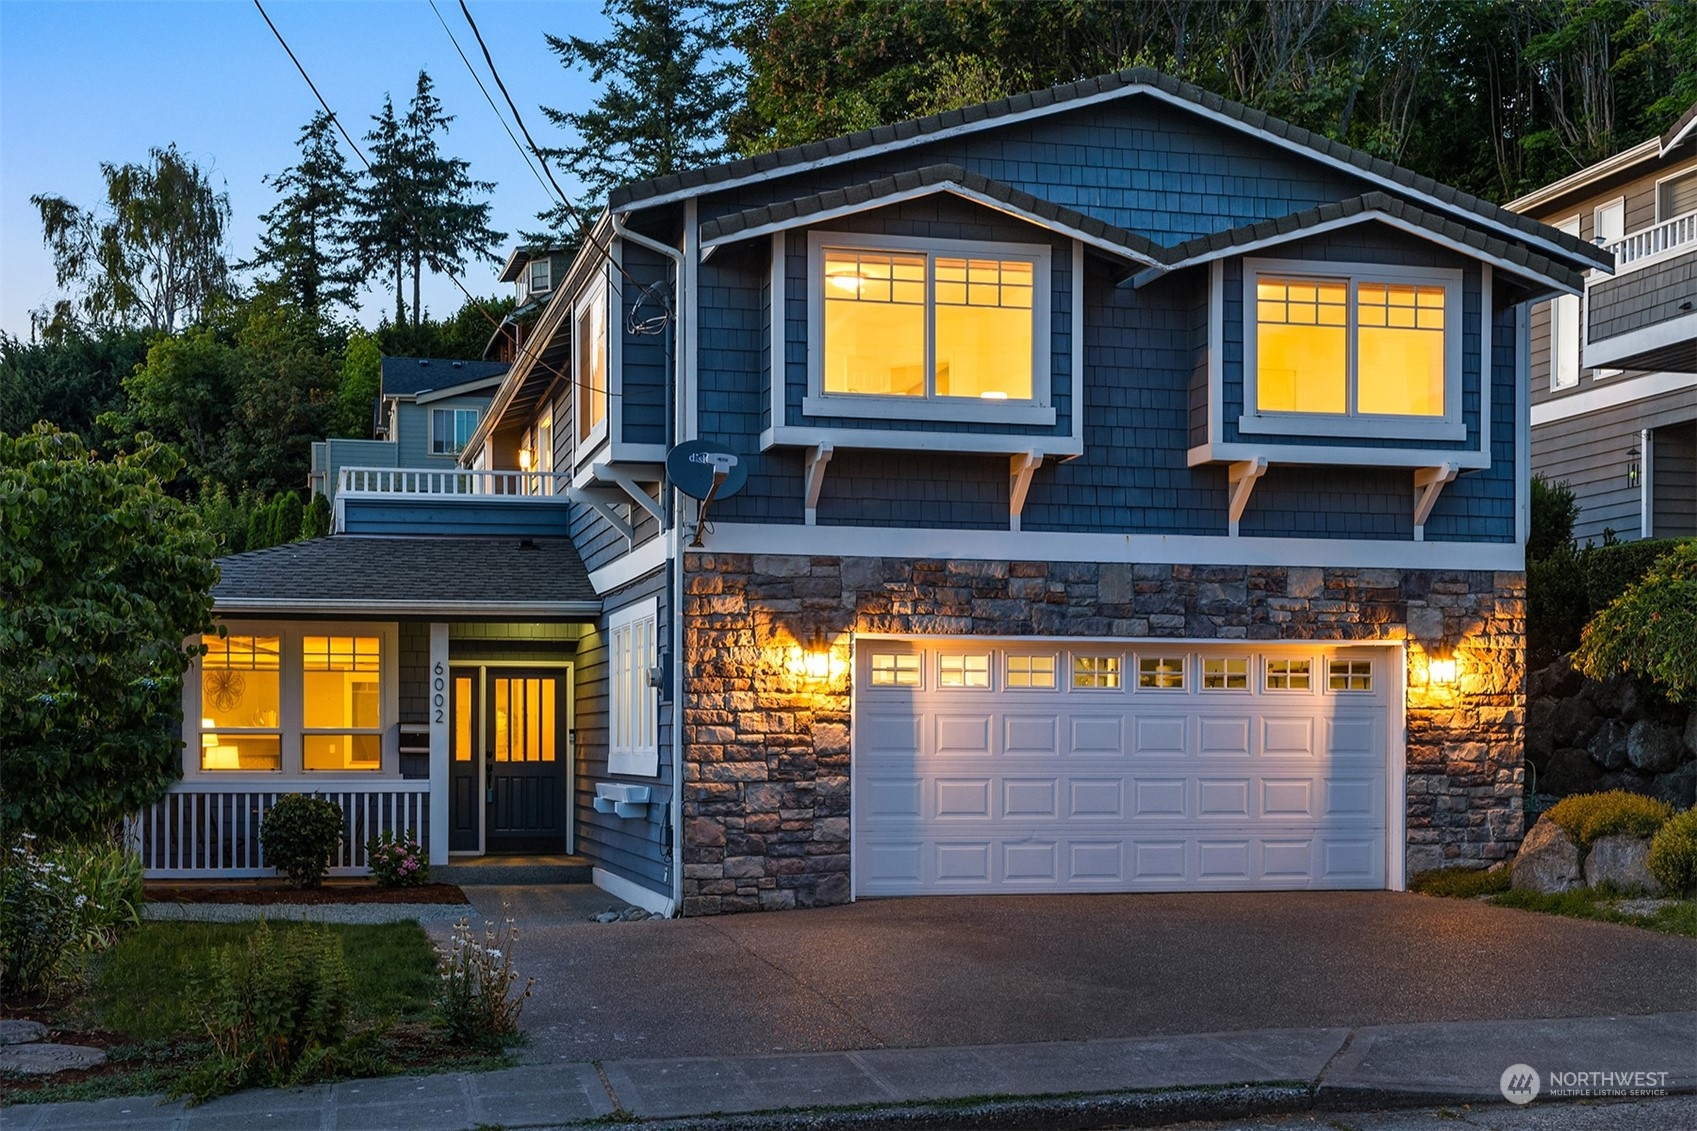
<point x="305" y="245"/>
<point x="385" y="203"/>
<point x="667" y="89"/>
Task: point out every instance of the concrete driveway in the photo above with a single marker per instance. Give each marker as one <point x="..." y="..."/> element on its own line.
<point x="1015" y="969"/>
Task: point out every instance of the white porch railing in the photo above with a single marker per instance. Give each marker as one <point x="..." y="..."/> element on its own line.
<point x="206" y="829"/>
<point x="1640" y="249"/>
<point x="455" y="482"/>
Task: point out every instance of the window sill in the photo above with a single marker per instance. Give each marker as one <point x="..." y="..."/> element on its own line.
<point x="1354" y="427"/>
<point x="958" y="411"/>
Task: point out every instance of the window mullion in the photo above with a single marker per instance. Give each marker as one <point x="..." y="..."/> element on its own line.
<point x="1352" y="351"/>
<point x="930" y="325"/>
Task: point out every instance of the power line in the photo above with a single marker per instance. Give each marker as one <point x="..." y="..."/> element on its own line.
<point x="344" y="130"/>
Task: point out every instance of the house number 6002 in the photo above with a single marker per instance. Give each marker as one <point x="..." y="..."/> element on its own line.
<point x="440" y="700"/>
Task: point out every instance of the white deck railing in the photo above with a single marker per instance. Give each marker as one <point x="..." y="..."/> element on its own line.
<point x="1640" y="249"/>
<point x="207" y="829"/>
<point x="456" y="482"/>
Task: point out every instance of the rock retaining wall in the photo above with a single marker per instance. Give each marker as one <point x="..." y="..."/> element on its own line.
<point x="765" y="793"/>
<point x="1583" y="736"/>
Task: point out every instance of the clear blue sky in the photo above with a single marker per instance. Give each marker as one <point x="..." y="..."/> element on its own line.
<point x="86" y="82"/>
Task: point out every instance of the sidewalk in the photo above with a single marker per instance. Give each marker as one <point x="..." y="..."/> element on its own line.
<point x="1112" y="1082"/>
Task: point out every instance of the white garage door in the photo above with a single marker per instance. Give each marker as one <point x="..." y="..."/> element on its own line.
<point x="1023" y="766"/>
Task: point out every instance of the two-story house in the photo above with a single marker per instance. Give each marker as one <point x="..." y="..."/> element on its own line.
<point x="1614" y="370"/>
<point x="1110" y="488"/>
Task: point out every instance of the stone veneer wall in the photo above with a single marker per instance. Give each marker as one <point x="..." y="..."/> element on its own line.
<point x="766" y="754"/>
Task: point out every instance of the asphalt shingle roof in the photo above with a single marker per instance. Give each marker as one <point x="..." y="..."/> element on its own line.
<point x="410" y="376"/>
<point x="390" y="573"/>
<point x="1129" y="81"/>
<point x="1217" y="243"/>
<point x="1680" y="130"/>
<point x="926" y="177"/>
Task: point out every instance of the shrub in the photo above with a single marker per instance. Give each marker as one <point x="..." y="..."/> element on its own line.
<point x="1588" y="816"/>
<point x="1556" y="605"/>
<point x="299" y="835"/>
<point x="1554" y="509"/>
<point x="59" y="905"/>
<point x="1673" y="854"/>
<point x="315" y="519"/>
<point x="396" y="861"/>
<point x="1613" y="569"/>
<point x="108" y="881"/>
<point x="1650" y="630"/>
<point x="476" y="1002"/>
<point x="277" y="1012"/>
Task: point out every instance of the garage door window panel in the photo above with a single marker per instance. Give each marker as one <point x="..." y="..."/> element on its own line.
<point x="971" y="671"/>
<point x="1160" y="673"/>
<point x="1225" y="673"/>
<point x="1096" y="673"/>
<point x="895" y="669"/>
<point x="1289" y="675"/>
<point x="1350" y="675"/>
<point x="1031" y="673"/>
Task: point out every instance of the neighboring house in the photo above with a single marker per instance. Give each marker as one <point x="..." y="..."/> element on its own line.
<point x="533" y="273"/>
<point x="1122" y="491"/>
<point x="1614" y="371"/>
<point x="425" y="412"/>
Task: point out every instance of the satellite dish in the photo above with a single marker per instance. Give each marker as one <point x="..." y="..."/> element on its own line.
<point x="705" y="471"/>
<point x="701" y="469"/>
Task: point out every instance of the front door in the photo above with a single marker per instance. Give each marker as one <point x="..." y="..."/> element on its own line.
<point x="510" y="760"/>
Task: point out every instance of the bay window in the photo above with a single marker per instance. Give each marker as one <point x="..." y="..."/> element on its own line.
<point x="1353" y="352"/>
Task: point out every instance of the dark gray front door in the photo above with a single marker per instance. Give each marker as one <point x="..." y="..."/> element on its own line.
<point x="465" y="759"/>
<point x="526" y="759"/>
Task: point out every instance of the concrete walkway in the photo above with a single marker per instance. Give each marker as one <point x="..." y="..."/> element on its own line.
<point x="1107" y="1082"/>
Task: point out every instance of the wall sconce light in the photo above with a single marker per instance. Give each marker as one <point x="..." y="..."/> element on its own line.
<point x="816" y="657"/>
<point x="525" y="457"/>
<point x="1441" y="670"/>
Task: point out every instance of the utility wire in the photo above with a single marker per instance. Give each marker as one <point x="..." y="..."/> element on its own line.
<point x="535" y="357"/>
<point x="487" y="98"/>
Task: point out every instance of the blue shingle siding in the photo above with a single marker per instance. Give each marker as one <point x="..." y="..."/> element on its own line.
<point x="540" y="517"/>
<point x="645" y="368"/>
<point x="928" y="489"/>
<point x="627" y="847"/>
<point x="1479" y="505"/>
<point x="1373" y="244"/>
<point x="1331" y="502"/>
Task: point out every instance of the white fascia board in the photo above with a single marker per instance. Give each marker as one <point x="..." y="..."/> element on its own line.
<point x="1313" y="455"/>
<point x="965" y="443"/>
<point x="1227" y="120"/>
<point x="457" y="390"/>
<point x="825" y="216"/>
<point x="1154" y="549"/>
<point x="631" y="566"/>
<point x="1555" y="190"/>
<point x="382" y="608"/>
<point x="1234" y="643"/>
<point x="1611" y="395"/>
<point x="1373" y="215"/>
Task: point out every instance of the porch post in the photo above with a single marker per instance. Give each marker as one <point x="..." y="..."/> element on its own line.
<point x="439" y="688"/>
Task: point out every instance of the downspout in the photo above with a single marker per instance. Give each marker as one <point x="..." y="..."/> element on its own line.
<point x="678" y="401"/>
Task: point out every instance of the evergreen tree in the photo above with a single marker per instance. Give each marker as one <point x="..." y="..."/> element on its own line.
<point x="385" y="205"/>
<point x="668" y="85"/>
<point x="304" y="245"/>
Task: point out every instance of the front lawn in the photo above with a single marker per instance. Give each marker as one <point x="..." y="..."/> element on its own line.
<point x="143" y="1001"/>
<point x="1674" y="917"/>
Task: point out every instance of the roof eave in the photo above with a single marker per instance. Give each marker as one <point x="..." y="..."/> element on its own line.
<point x="1538" y="198"/>
<point x="320" y="606"/>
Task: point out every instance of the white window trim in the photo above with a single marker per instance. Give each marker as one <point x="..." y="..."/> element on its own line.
<point x="633" y="761"/>
<point x="1598" y="210"/>
<point x="477" y="418"/>
<point x="1451" y="426"/>
<point x="1656" y="202"/>
<point x="547" y="276"/>
<point x="963" y="410"/>
<point x="1575" y="305"/>
<point x="600" y="286"/>
<point x="291" y="697"/>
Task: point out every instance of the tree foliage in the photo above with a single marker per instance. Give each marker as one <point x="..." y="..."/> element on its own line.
<point x="152" y="259"/>
<point x="68" y="379"/>
<point x="304" y="249"/>
<point x="102" y="578"/>
<point x="1650" y="631"/>
<point x="668" y="83"/>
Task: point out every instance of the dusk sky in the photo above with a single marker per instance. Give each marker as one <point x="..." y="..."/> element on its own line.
<point x="82" y="83"/>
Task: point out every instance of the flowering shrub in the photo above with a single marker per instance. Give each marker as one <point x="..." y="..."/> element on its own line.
<point x="299" y="835"/>
<point x="396" y="862"/>
<point x="476" y="1001"/>
<point x="60" y="904"/>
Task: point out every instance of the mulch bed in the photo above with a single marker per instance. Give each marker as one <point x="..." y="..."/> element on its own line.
<point x="266" y="892"/>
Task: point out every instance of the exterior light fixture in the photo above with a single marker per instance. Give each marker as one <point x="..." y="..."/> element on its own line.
<point x="816" y="657"/>
<point x="525" y="458"/>
<point x="1441" y="670"/>
<point x="1632" y="468"/>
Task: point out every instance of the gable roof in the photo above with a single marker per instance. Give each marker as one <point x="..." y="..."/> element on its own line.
<point x="1359" y="209"/>
<point x="351" y="574"/>
<point x="410" y="376"/>
<point x="1679" y="131"/>
<point x="1135" y="80"/>
<point x="919" y="182"/>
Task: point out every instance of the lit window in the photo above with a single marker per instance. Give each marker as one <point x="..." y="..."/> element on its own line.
<point x="1225" y="674"/>
<point x="915" y="324"/>
<point x="894" y="669"/>
<point x="240" y="688"/>
<point x="1165" y="673"/>
<point x="1350" y="675"/>
<point x="1096" y="672"/>
<point x="590" y="371"/>
<point x="633" y="704"/>
<point x="341" y="703"/>
<point x="963" y="671"/>
<point x="451" y="429"/>
<point x="1031" y="671"/>
<point x="1288" y="675"/>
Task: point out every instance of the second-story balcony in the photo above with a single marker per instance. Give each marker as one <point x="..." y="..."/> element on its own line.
<point x="1644" y="316"/>
<point x="410" y="500"/>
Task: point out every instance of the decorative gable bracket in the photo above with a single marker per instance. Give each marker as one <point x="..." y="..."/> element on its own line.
<point x="818" y="458"/>
<point x="1021" y="468"/>
<point x="617" y="504"/>
<point x="1242" y="477"/>
<point x="1429" y="483"/>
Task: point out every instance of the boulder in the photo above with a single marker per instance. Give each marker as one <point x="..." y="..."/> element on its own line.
<point x="1623" y="862"/>
<point x="1678" y="788"/>
<point x="1608" y="746"/>
<point x="1629" y="780"/>
<point x="1541" y="731"/>
<point x="1548" y="861"/>
<point x="1654" y="747"/>
<point x="1621" y="697"/>
<point x="1575" y="721"/>
<point x="1570" y="770"/>
<point x="1561" y="680"/>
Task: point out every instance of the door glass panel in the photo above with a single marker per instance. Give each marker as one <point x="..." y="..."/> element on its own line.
<point x="548" y="720"/>
<point x="503" y="708"/>
<point x="462" y="718"/>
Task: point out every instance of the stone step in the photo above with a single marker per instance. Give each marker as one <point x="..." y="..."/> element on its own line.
<point x="508" y="870"/>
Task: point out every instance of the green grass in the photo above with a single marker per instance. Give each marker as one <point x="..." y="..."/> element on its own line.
<point x="149" y="985"/>
<point x="1679" y="918"/>
<point x="1460" y="883"/>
